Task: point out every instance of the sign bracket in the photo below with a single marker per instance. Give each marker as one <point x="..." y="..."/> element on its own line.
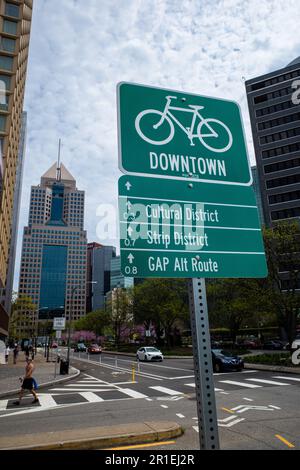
<point x="205" y="390"/>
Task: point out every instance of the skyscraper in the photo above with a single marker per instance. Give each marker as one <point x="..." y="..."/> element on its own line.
<point x="15" y="24"/>
<point x="275" y="121"/>
<point x="98" y="274"/>
<point x="6" y="296"/>
<point x="117" y="279"/>
<point x="53" y="263"/>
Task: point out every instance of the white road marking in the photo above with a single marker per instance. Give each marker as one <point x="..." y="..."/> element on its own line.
<point x="132" y="393"/>
<point x="3" y="405"/>
<point x="196" y="428"/>
<point x="183" y="377"/>
<point x="164" y="406"/>
<point x="275" y="407"/>
<point x="46" y="401"/>
<point x="248" y="399"/>
<point x="224" y="393"/>
<point x="180" y="415"/>
<point x="91" y="397"/>
<point x="87" y="385"/>
<point x="84" y="390"/>
<point x="193" y="385"/>
<point x="296" y="379"/>
<point x="232" y="423"/>
<point x="168" y="391"/>
<point x="149" y="399"/>
<point x="270" y="382"/>
<point x="226" y="420"/>
<point x="240" y="384"/>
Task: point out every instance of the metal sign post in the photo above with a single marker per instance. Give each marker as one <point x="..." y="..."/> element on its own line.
<point x="205" y="390"/>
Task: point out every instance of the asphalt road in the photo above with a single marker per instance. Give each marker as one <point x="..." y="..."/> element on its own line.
<point x="256" y="410"/>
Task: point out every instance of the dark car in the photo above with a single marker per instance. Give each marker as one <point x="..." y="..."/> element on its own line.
<point x="94" y="349"/>
<point x="273" y="345"/>
<point x="80" y="347"/>
<point x="225" y="361"/>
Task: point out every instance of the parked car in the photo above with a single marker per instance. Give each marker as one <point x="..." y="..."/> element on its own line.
<point x="225" y="361"/>
<point x="80" y="347"/>
<point x="273" y="345"/>
<point x="94" y="349"/>
<point x="253" y="343"/>
<point x="148" y="353"/>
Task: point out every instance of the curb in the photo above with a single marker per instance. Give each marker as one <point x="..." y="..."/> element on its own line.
<point x="150" y="432"/>
<point x="288" y="370"/>
<point x="45" y="384"/>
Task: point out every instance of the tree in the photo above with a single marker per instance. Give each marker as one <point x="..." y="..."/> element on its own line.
<point x="120" y="309"/>
<point x="161" y="302"/>
<point x="96" y="322"/>
<point x="22" y="305"/>
<point x="282" y="245"/>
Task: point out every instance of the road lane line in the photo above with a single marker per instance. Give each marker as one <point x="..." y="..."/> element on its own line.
<point x="240" y="384"/>
<point x="228" y="411"/>
<point x="168" y="391"/>
<point x="232" y="423"/>
<point x="164" y="406"/>
<point x="84" y="390"/>
<point x="3" y="405"/>
<point x="248" y="399"/>
<point x="141" y="446"/>
<point x="269" y="382"/>
<point x="275" y="407"/>
<point x="86" y="385"/>
<point x="180" y="415"/>
<point x="133" y="393"/>
<point x="91" y="397"/>
<point x="282" y="439"/>
<point x="196" y="428"/>
<point x="193" y="386"/>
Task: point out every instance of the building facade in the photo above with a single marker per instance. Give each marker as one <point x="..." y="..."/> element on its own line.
<point x="257" y="192"/>
<point x="53" y="262"/>
<point x="98" y="274"/>
<point x="15" y="25"/>
<point x="117" y="279"/>
<point x="275" y="122"/>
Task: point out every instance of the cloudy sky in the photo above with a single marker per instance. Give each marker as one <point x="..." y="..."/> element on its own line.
<point x="80" y="50"/>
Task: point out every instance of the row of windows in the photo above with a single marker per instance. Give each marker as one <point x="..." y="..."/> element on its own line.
<point x="288" y="134"/>
<point x="8" y="45"/>
<point x="284" y="197"/>
<point x="12" y="10"/>
<point x="6" y="63"/>
<point x="274" y="109"/>
<point x="286" y="213"/>
<point x="272" y="95"/>
<point x="274" y="152"/>
<point x="278" y="122"/>
<point x="285" y="165"/>
<point x="274" y="80"/>
<point x="284" y="181"/>
<point x="10" y="27"/>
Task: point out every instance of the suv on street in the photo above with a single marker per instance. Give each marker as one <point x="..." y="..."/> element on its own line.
<point x="80" y="347"/>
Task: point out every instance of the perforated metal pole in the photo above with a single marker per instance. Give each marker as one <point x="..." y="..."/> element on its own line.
<point x="205" y="390"/>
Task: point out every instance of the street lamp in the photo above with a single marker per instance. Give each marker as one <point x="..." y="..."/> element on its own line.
<point x="74" y="289"/>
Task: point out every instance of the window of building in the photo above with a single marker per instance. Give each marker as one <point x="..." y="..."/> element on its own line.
<point x="286" y="213"/>
<point x="10" y="27"/>
<point x="6" y="63"/>
<point x="279" y="166"/>
<point x="12" y="10"/>
<point x="281" y="150"/>
<point x="8" y="45"/>
<point x="283" y="181"/>
<point x="284" y="197"/>
<point x="2" y="123"/>
<point x="5" y="82"/>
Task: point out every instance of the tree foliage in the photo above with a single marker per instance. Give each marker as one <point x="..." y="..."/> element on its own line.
<point x="96" y="322"/>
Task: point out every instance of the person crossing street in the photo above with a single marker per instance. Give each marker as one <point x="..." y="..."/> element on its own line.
<point x="28" y="383"/>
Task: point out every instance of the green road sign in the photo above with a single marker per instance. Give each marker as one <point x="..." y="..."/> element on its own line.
<point x="172" y="134"/>
<point x="176" y="228"/>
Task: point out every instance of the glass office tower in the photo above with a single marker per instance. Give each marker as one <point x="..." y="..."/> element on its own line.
<point x="54" y="250"/>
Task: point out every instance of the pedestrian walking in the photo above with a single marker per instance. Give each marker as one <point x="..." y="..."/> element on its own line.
<point x="16" y="352"/>
<point x="7" y="351"/>
<point x="28" y="383"/>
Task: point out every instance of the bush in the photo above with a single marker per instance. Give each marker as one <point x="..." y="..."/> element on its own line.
<point x="280" y="359"/>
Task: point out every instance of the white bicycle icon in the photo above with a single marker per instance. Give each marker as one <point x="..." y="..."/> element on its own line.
<point x="205" y="128"/>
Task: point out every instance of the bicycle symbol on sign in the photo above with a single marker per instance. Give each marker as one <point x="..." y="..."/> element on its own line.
<point x="208" y="129"/>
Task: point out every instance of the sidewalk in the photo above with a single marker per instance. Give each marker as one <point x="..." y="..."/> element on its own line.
<point x="95" y="437"/>
<point x="44" y="373"/>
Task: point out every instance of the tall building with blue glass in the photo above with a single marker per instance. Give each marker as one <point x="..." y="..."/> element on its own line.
<point x="54" y="249"/>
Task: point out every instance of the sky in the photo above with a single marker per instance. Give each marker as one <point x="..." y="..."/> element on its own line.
<point x="81" y="49"/>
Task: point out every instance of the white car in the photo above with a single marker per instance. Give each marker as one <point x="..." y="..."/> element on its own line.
<point x="148" y="353"/>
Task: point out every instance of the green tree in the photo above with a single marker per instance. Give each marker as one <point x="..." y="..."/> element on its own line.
<point x="21" y="307"/>
<point x="120" y="309"/>
<point x="282" y="245"/>
<point x="161" y="302"/>
<point x="96" y="322"/>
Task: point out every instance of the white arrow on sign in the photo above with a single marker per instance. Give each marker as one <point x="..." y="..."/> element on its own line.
<point x="128" y="186"/>
<point x="130" y="258"/>
<point x="129" y="230"/>
<point x="129" y="205"/>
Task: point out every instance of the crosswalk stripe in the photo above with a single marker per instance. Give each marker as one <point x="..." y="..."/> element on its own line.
<point x="133" y="393"/>
<point x="46" y="400"/>
<point x="168" y="391"/>
<point x="80" y="389"/>
<point x="240" y="384"/>
<point x="269" y="382"/>
<point x="296" y="379"/>
<point x="194" y="385"/>
<point x="3" y="405"/>
<point x="91" y="397"/>
<point x="87" y="385"/>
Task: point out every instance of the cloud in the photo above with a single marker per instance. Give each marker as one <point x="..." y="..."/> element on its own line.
<point x="80" y="49"/>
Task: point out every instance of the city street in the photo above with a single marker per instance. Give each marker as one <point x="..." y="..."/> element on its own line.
<point x="256" y="410"/>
